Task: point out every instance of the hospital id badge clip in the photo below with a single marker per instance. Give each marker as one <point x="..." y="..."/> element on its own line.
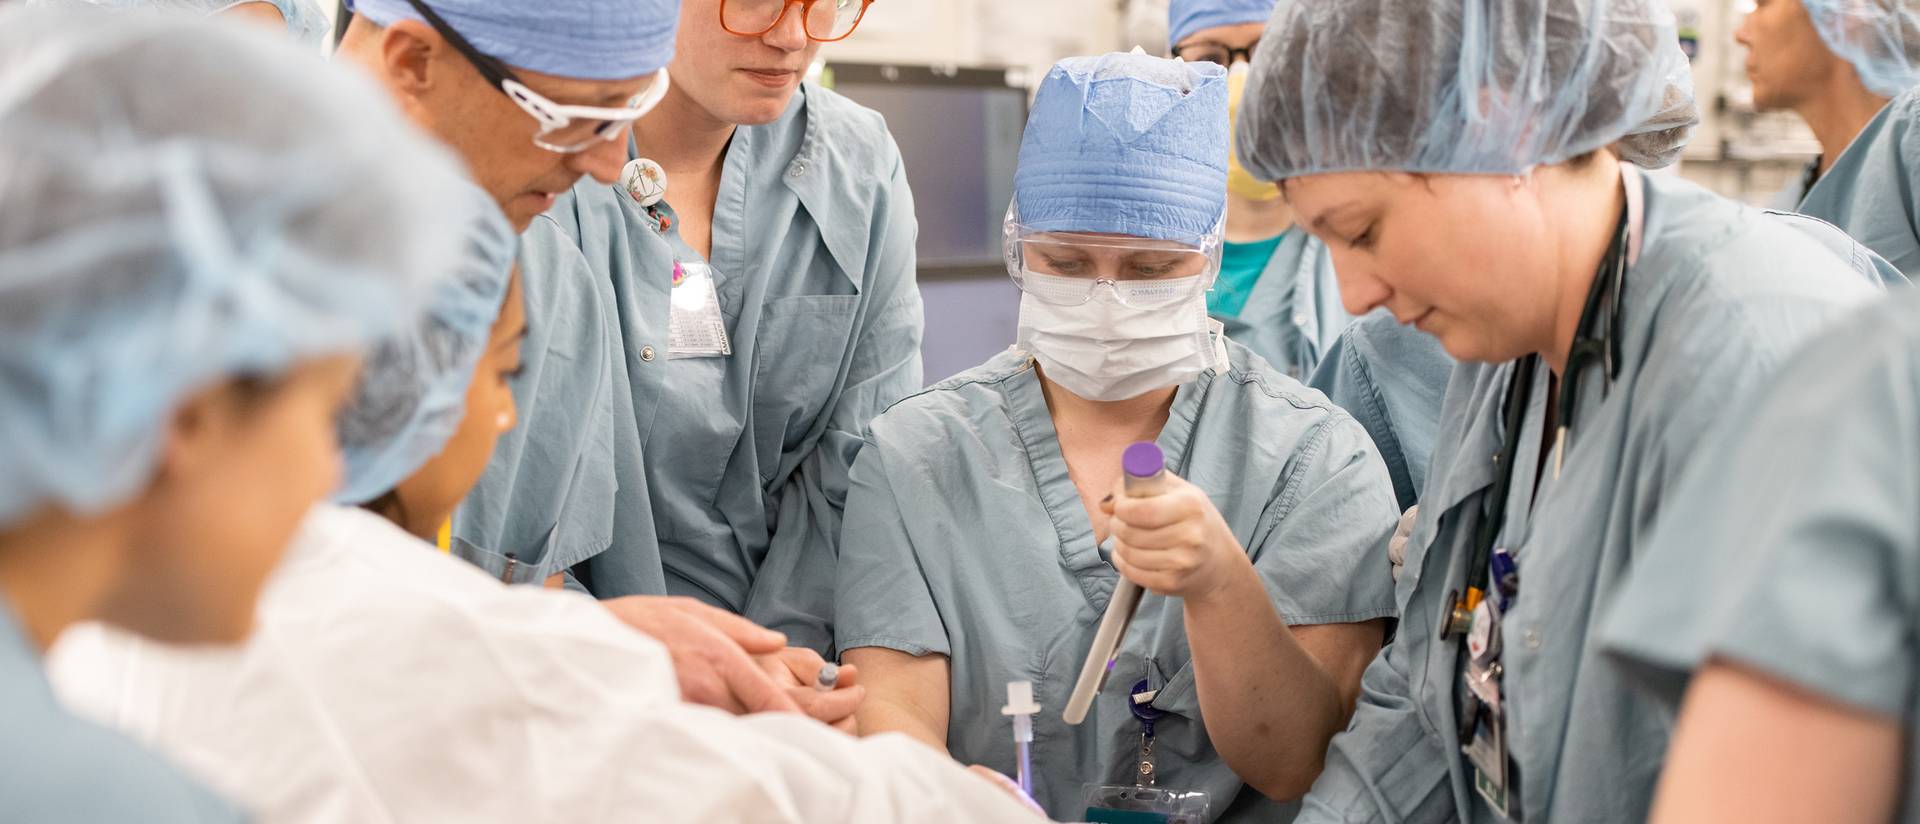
<point x="695" y="328"/>
<point x="1144" y="803"/>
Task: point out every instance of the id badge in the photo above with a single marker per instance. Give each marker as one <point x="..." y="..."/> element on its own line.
<point x="1115" y="804"/>
<point x="695" y="328"/>
<point x="1487" y="753"/>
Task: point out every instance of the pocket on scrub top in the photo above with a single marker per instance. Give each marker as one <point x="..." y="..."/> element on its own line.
<point x="798" y="354"/>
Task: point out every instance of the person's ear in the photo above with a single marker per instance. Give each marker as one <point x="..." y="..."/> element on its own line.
<point x="194" y="435"/>
<point x="407" y="52"/>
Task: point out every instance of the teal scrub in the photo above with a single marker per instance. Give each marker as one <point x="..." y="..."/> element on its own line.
<point x="1719" y="296"/>
<point x="1869" y="190"/>
<point x="1392" y="379"/>
<point x="1290" y="312"/>
<point x="1241" y="265"/>
<point x="58" y="769"/>
<point x="965" y="537"/>
<point x="716" y="478"/>
<point x="1799" y="552"/>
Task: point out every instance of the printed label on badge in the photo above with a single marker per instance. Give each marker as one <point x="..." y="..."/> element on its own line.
<point x="1481" y="638"/>
<point x="695" y="326"/>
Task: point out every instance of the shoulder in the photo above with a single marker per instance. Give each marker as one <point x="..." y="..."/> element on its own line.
<point x="957" y="403"/>
<point x="1252" y="385"/>
<point x="66" y="769"/>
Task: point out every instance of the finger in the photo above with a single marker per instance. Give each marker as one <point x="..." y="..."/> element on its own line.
<point x="1156" y="560"/>
<point x="849" y="676"/>
<point x="829" y="707"/>
<point x="753" y="638"/>
<point x="1160" y="583"/>
<point x="1181" y="534"/>
<point x="700" y="685"/>
<point x="749" y="685"/>
<point x="804" y="663"/>
<point x="1162" y="510"/>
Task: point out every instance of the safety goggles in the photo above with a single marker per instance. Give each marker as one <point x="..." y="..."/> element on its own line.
<point x="1071" y="269"/>
<point x="565" y="129"/>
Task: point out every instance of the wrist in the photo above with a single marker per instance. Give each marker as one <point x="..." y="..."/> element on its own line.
<point x="1233" y="581"/>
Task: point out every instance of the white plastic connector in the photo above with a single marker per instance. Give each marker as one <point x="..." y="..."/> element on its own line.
<point x="1021" y="707"/>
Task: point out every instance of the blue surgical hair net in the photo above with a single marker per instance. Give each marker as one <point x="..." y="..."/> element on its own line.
<point x="582" y="39"/>
<point x="1880" y="38"/>
<point x="306" y="23"/>
<point x="412" y="391"/>
<point x="1127" y="144"/>
<point x="1184" y="17"/>
<point x="187" y="202"/>
<point x="1461" y="86"/>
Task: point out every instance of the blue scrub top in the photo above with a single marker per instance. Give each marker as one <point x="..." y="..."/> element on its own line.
<point x="1719" y="297"/>
<point x="1392" y="378"/>
<point x="965" y="537"/>
<point x="1868" y="192"/>
<point x="58" y="769"/>
<point x="1292" y="313"/>
<point x="1799" y="552"/>
<point x="716" y="478"/>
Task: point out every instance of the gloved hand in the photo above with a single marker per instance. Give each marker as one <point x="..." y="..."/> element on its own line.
<point x="1397" y="545"/>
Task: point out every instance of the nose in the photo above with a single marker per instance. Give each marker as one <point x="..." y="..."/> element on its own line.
<point x="1360" y="291"/>
<point x="790" y="34"/>
<point x="1741" y="35"/>
<point x="603" y="161"/>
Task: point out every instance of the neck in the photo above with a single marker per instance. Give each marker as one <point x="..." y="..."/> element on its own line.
<point x="683" y="137"/>
<point x="1588" y="202"/>
<point x="1838" y="113"/>
<point x="56" y="571"/>
<point x="1249" y="221"/>
<point x="1134" y="419"/>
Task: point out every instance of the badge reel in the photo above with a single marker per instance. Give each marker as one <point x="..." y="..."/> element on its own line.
<point x="1142" y="802"/>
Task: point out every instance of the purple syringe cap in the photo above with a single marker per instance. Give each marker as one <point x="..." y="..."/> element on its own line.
<point x="1143" y="460"/>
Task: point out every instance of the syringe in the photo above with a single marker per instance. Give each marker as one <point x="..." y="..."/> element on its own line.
<point x="1144" y="468"/>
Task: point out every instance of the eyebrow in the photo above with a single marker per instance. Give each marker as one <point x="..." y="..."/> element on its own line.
<point x="1320" y="222"/>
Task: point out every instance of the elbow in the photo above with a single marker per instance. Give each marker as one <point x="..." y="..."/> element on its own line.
<point x="1282" y="782"/>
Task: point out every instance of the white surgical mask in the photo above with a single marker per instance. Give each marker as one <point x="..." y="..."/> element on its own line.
<point x="1102" y="350"/>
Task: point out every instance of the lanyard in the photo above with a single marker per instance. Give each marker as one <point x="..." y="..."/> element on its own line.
<point x="1596" y="342"/>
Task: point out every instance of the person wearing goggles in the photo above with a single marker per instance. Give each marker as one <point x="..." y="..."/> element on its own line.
<point x="986" y="524"/>
<point x="1276" y="293"/>
<point x="770" y="223"/>
<point x="532" y="96"/>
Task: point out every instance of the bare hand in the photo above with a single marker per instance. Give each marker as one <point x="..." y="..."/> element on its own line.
<point x="1175" y="543"/>
<point x="798" y="669"/>
<point x="712" y="652"/>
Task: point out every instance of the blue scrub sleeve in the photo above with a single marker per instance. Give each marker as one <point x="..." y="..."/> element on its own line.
<point x="793" y="591"/>
<point x="1346" y="379"/>
<point x="1793" y="546"/>
<point x="882" y="598"/>
<point x="1386" y="766"/>
<point x="548" y="494"/>
<point x="1322" y="544"/>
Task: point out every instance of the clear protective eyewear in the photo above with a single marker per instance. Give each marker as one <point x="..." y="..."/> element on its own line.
<point x="1072" y="268"/>
<point x="564" y="129"/>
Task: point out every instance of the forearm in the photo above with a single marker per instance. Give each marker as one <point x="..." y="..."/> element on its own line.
<point x="1270" y="708"/>
<point x="886" y="714"/>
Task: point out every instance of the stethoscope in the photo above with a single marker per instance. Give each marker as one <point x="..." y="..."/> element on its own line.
<point x="1596" y="342"/>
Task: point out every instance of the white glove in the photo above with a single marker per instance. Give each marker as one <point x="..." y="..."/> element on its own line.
<point x="1397" y="545"/>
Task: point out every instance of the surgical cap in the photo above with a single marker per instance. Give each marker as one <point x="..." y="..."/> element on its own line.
<point x="1880" y="38"/>
<point x="1445" y="86"/>
<point x="582" y="39"/>
<point x="1127" y="144"/>
<point x="413" y="386"/>
<point x="187" y="203"/>
<point x="1184" y="17"/>
<point x="306" y="23"/>
<point x="1657" y="142"/>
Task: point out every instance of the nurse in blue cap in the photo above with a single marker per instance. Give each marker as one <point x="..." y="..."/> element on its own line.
<point x="1847" y="67"/>
<point x="985" y="531"/>
<point x="1474" y="168"/>
<point x="1276" y="294"/>
<point x="185" y="301"/>
<point x="713" y="334"/>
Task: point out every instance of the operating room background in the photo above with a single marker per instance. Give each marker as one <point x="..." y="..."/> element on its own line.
<point x="952" y="78"/>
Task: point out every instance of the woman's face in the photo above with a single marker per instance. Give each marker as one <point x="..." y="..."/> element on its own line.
<point x="1113" y="257"/>
<point x="241" y="468"/>
<point x="741" y="80"/>
<point x="429" y="496"/>
<point x="1465" y="258"/>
